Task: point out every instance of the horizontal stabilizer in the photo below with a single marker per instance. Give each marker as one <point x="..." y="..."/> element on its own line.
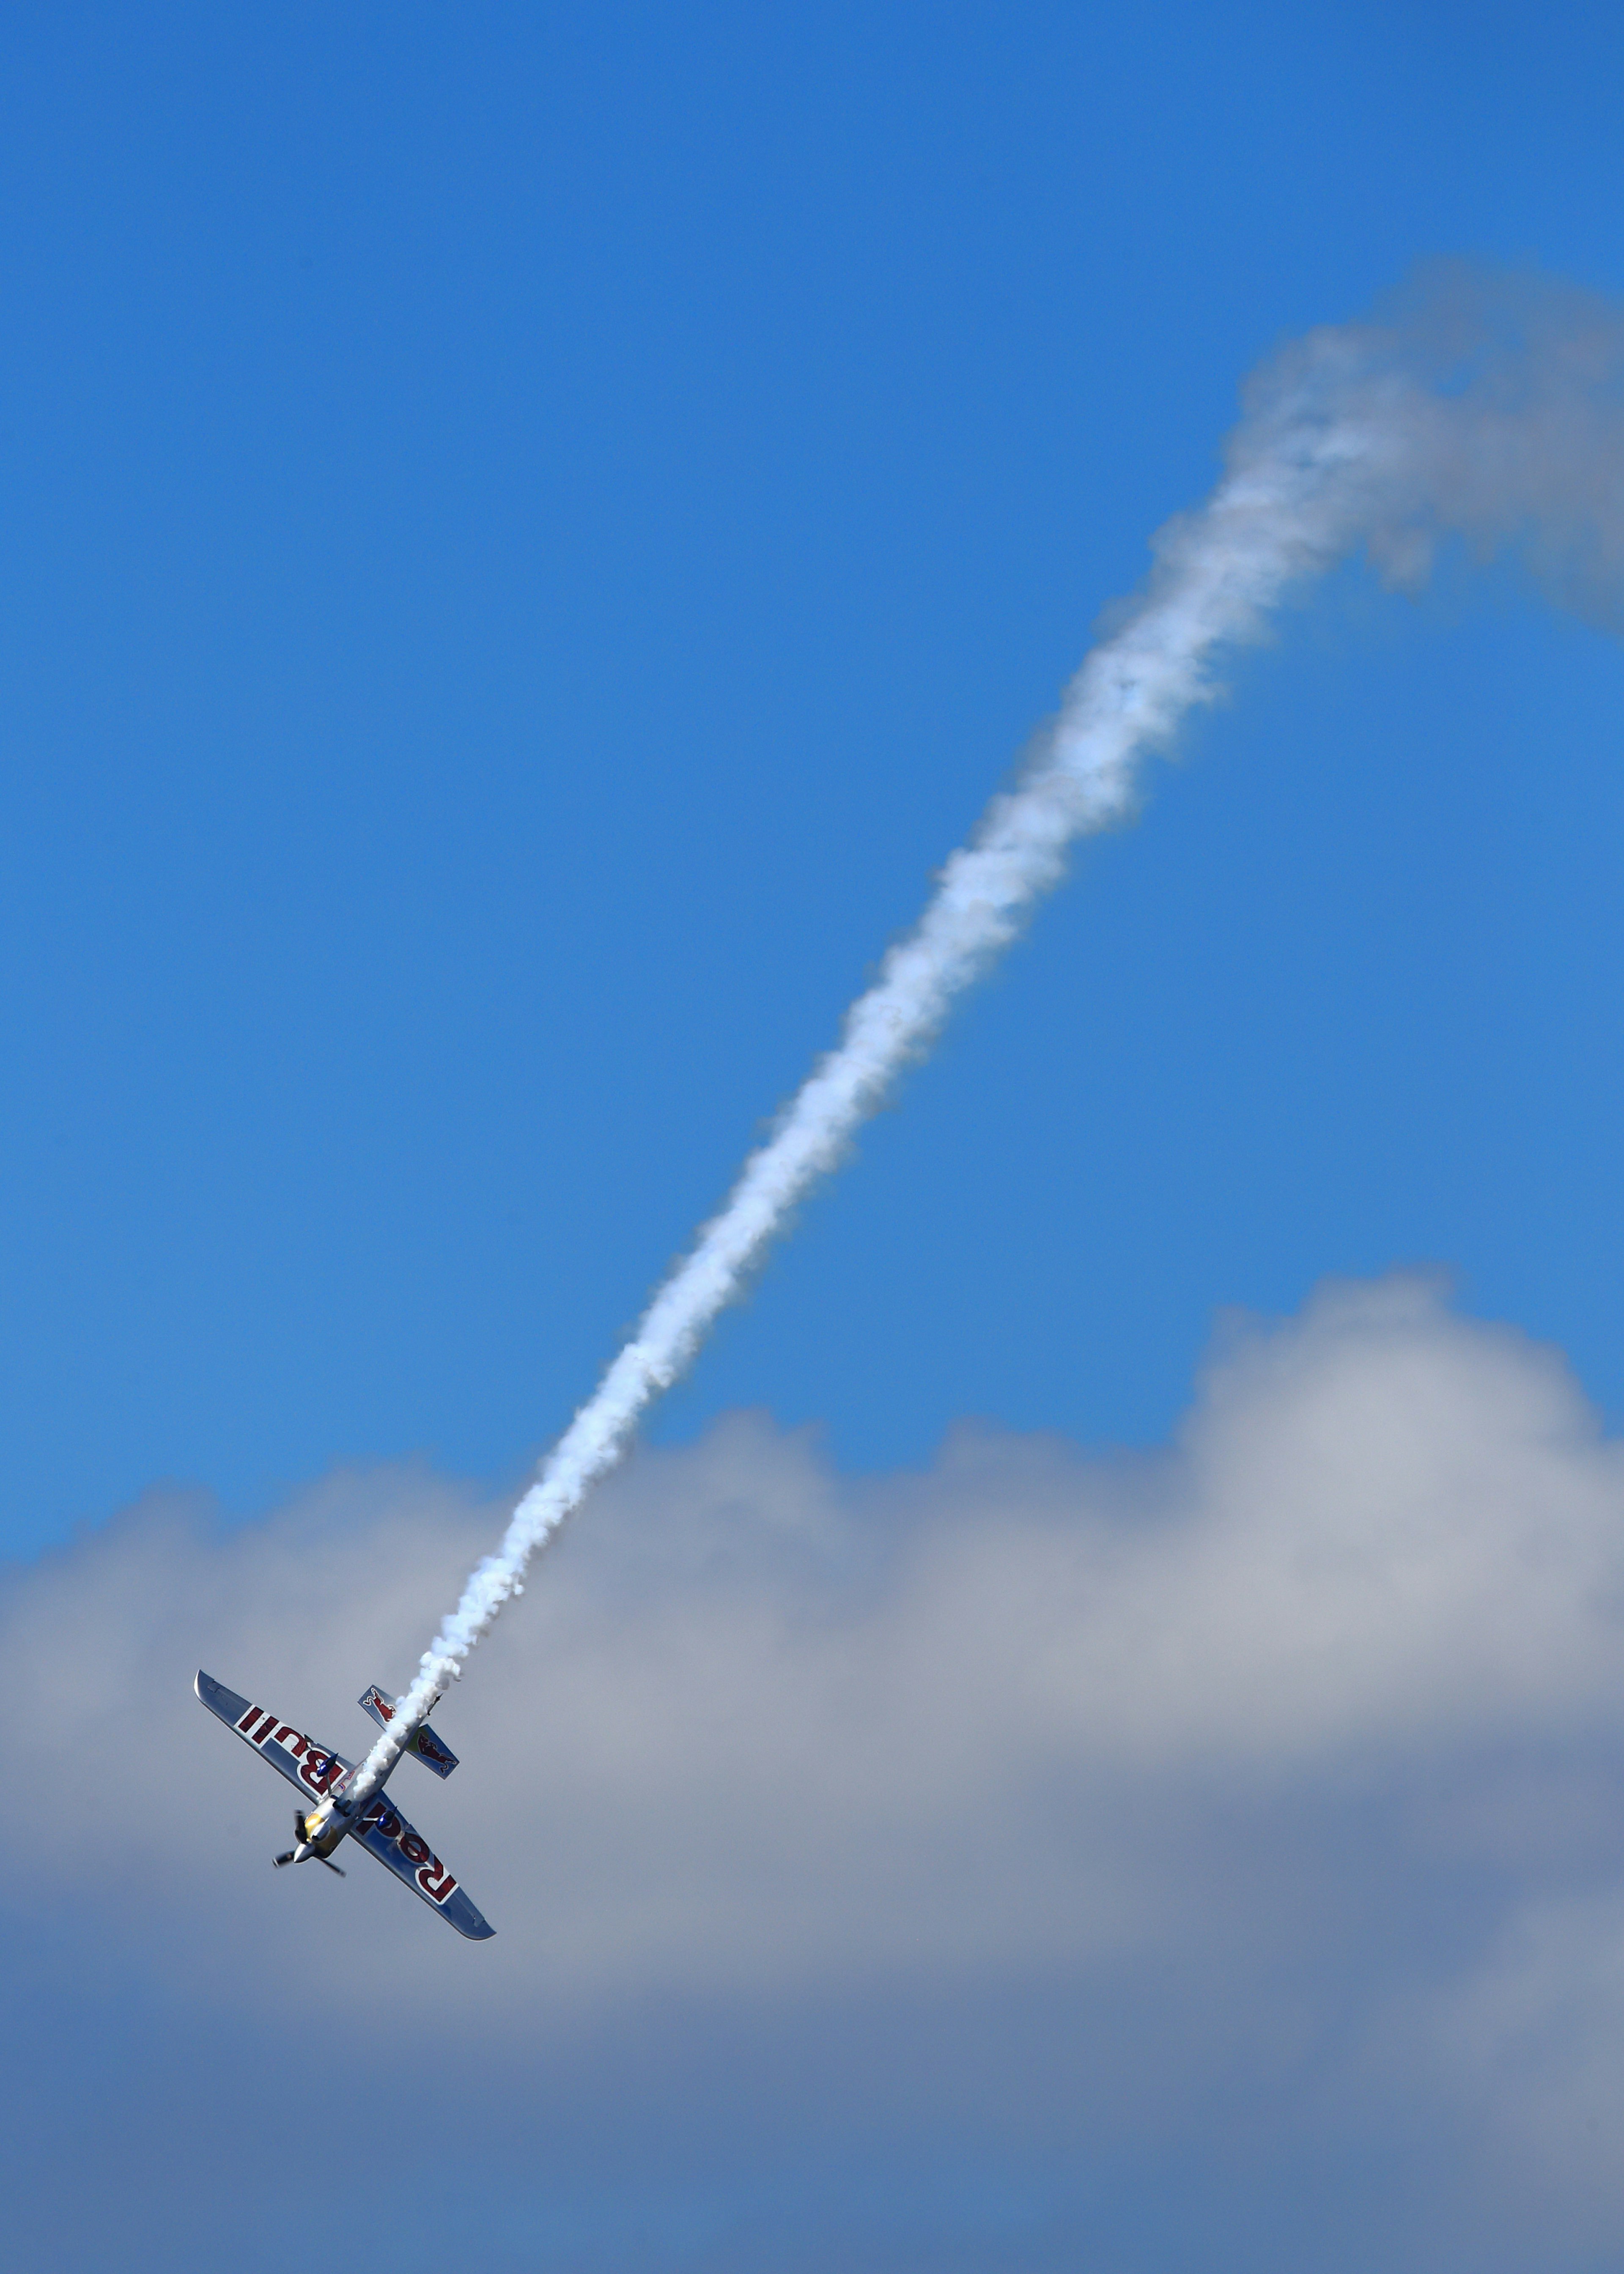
<point x="422" y="1744"/>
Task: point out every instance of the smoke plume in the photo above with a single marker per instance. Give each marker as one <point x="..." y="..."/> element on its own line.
<point x="1489" y="409"/>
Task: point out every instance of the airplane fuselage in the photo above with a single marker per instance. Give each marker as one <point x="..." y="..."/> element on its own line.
<point x="332" y="1819"/>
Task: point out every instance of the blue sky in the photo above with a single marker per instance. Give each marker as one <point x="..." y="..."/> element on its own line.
<point x="527" y="548"/>
<point x="530" y="535"/>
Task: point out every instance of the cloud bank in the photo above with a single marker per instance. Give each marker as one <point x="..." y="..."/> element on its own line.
<point x="1261" y="1787"/>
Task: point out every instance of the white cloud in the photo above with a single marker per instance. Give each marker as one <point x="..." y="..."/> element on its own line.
<point x="1311" y="1719"/>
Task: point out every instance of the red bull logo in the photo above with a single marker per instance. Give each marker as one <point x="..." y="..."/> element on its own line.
<point x="319" y="1769"/>
<point x="430" y="1873"/>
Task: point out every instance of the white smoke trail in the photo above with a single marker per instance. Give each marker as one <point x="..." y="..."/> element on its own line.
<point x="1353" y="434"/>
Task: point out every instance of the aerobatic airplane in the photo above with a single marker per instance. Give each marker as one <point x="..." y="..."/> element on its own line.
<point x="318" y="1770"/>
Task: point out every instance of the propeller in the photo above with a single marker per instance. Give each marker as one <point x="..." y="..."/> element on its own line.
<point x="293" y="1856"/>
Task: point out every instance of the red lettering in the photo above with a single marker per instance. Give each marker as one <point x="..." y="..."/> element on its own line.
<point x="435" y="1871"/>
<point x="415" y="1851"/>
<point x="261" y="1734"/>
<point x="286" y="1730"/>
<point x="248" y="1720"/>
<point x="389" y="1828"/>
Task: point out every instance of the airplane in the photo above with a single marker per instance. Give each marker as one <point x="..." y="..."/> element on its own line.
<point x="381" y="1830"/>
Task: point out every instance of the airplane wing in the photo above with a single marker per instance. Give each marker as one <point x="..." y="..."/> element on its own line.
<point x="313" y="1768"/>
<point x="384" y="1832"/>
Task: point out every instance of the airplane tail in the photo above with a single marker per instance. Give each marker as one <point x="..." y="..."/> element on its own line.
<point x="424" y="1745"/>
